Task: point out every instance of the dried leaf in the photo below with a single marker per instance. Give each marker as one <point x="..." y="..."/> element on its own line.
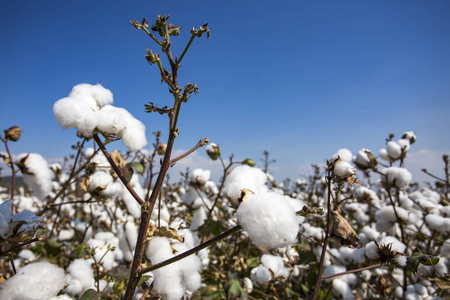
<point x="441" y="283"/>
<point x="340" y="228"/>
<point x="169" y="233"/>
<point x="84" y="184"/>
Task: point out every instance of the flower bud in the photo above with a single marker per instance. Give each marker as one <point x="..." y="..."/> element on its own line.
<point x="13" y="133"/>
<point x="213" y="151"/>
<point x="161" y="148"/>
<point x="249" y="162"/>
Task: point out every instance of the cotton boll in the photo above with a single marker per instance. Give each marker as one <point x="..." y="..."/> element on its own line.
<point x="133" y="136"/>
<point x="242" y="177"/>
<point x="36" y="281"/>
<point x="343" y="169"/>
<point x="276" y="264"/>
<point x="343" y="154"/>
<point x="404" y="145"/>
<point x="174" y="280"/>
<point x="36" y="173"/>
<point x="87" y="92"/>
<point x="393" y="150"/>
<point x="351" y="256"/>
<point x="342" y="289"/>
<point x="437" y="222"/>
<point x="396" y="176"/>
<point x="269" y="220"/>
<point x="384" y="154"/>
<point x="200" y="176"/>
<point x="260" y="275"/>
<point x="80" y="276"/>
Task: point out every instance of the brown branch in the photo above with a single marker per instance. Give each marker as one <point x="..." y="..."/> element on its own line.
<point x="118" y="171"/>
<point x="200" y="144"/>
<point x="193" y="250"/>
<point x="352" y="271"/>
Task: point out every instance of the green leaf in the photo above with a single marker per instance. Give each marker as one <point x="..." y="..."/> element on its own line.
<point x="417" y="257"/>
<point x="234" y="288"/>
<point x="81" y="248"/>
<point x="143" y="279"/>
<point x="90" y="295"/>
<point x="252" y="262"/>
<point x="138" y="167"/>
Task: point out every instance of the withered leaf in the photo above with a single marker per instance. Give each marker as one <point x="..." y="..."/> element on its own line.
<point x="441" y="283"/>
<point x="340" y="228"/>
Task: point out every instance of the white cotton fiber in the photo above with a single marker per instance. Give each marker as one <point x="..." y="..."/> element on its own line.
<point x="80" y="276"/>
<point x="269" y="220"/>
<point x="393" y="150"/>
<point x="396" y="176"/>
<point x="271" y="267"/>
<point x="437" y="222"/>
<point x="344" y="154"/>
<point x="244" y="177"/>
<point x="92" y="94"/>
<point x="342" y="289"/>
<point x="260" y="275"/>
<point x="200" y="176"/>
<point x="36" y="281"/>
<point x="343" y="169"/>
<point x="36" y="173"/>
<point x="362" y="159"/>
<point x="174" y="280"/>
<point x="87" y="109"/>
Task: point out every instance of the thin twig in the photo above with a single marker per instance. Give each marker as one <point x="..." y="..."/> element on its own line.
<point x="200" y="144"/>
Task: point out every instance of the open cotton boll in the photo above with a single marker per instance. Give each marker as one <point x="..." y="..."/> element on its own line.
<point x="36" y="281"/>
<point x="269" y="220"/>
<point x="437" y="222"/>
<point x="362" y="159"/>
<point x="404" y="145"/>
<point x="384" y="154"/>
<point x="351" y="256"/>
<point x="80" y="276"/>
<point x="396" y="176"/>
<point x="87" y="109"/>
<point x="260" y="275"/>
<point x="100" y="242"/>
<point x="344" y="154"/>
<point x="200" y="176"/>
<point x="174" y="280"/>
<point x="92" y="94"/>
<point x="244" y="177"/>
<point x="36" y="173"/>
<point x="393" y="150"/>
<point x="342" y="289"/>
<point x="343" y="169"/>
<point x="276" y="264"/>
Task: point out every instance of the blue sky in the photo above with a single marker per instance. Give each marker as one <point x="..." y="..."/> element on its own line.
<point x="300" y="79"/>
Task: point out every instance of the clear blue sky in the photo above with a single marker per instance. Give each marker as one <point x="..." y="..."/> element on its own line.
<point x="300" y="79"/>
